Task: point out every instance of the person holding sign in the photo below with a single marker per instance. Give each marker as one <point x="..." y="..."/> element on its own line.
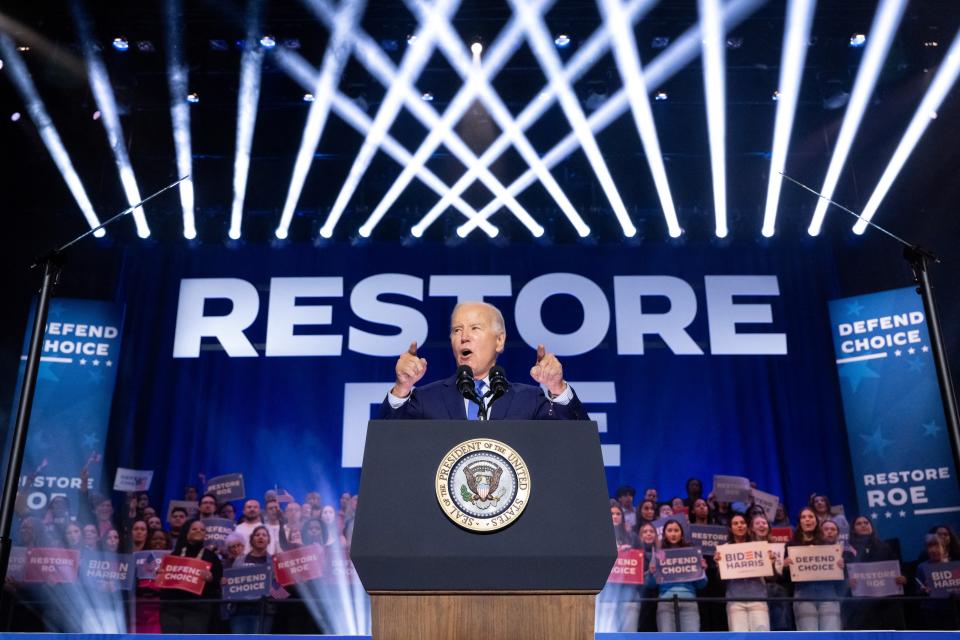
<point x="183" y="612"/>
<point x="618" y="605"/>
<point x="245" y="618"/>
<point x="781" y="615"/>
<point x="866" y="546"/>
<point x="647" y="541"/>
<point x="745" y="615"/>
<point x="684" y="590"/>
<point x="940" y="611"/>
<point x="815" y="615"/>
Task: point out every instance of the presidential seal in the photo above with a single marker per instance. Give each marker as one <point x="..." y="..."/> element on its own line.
<point x="483" y="484"/>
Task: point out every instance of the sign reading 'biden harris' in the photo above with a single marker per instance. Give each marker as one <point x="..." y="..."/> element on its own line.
<point x="482" y="485"/>
<point x="905" y="475"/>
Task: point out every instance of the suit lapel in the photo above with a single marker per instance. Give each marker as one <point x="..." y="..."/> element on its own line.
<point x="453" y="400"/>
<point x="501" y="407"/>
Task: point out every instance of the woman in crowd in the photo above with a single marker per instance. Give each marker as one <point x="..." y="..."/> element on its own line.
<point x="722" y="514"/>
<point x="866" y="546"/>
<point x="949" y="545"/>
<point x="781" y="614"/>
<point x="232" y="553"/>
<point x="700" y="512"/>
<point x="331" y="535"/>
<point x="137" y="540"/>
<point x="245" y="617"/>
<point x="819" y="614"/>
<point x="677" y="505"/>
<point x="744" y="615"/>
<point x="154" y="523"/>
<point x="780" y="519"/>
<point x="183" y="612"/>
<point x="694" y="488"/>
<point x="937" y="613"/>
<point x="227" y="511"/>
<point x="110" y="541"/>
<point x="665" y="511"/>
<point x="73" y="536"/>
<point x="159" y="540"/>
<point x="647" y="540"/>
<point x="147" y="613"/>
<point x="684" y="591"/>
<point x="646" y="512"/>
<point x="91" y="538"/>
<point x="618" y="605"/>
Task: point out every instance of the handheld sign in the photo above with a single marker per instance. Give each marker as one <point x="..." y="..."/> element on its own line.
<point x="781" y="534"/>
<point x="815" y="562"/>
<point x="227" y="487"/>
<point x="708" y="536"/>
<point x="628" y="569"/>
<point x="148" y="562"/>
<point x="217" y="530"/>
<point x="678" y="565"/>
<point x="339" y="569"/>
<point x="107" y="571"/>
<point x="681" y="519"/>
<point x="17" y="565"/>
<point x="248" y="582"/>
<point x="298" y="565"/>
<point x="745" y="560"/>
<point x="875" y="579"/>
<point x="944" y="580"/>
<point x="132" y="480"/>
<point x="51" y="565"/>
<point x="731" y="488"/>
<point x="779" y="550"/>
<point x="185" y="574"/>
<point x="767" y="501"/>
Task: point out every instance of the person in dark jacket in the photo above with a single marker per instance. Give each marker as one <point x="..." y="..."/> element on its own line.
<point x="183" y="612"/>
<point x="866" y="546"/>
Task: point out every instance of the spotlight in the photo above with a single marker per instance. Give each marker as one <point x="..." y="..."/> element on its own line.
<point x="291" y="43"/>
<point x="660" y="42"/>
<point x="96" y="115"/>
<point x="858" y="40"/>
<point x="931" y="43"/>
<point x="411" y="38"/>
<point x="145" y="46"/>
<point x="660" y="96"/>
<point x="193" y="98"/>
<point x="267" y="42"/>
<point x="734" y="43"/>
<point x="219" y="45"/>
<point x="775" y="96"/>
<point x="427" y="96"/>
<point x="562" y="41"/>
<point x="476" y="48"/>
<point x="23" y="48"/>
<point x="15" y="116"/>
<point x="1" y="64"/>
<point x="121" y="44"/>
<point x="308" y="97"/>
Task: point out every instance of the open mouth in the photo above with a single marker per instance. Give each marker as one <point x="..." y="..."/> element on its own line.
<point x="465" y="353"/>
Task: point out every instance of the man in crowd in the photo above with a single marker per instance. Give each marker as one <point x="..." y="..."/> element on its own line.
<point x="251" y="520"/>
<point x="477" y="336"/>
<point x="625" y="496"/>
<point x="272" y="522"/>
<point x="208" y="506"/>
<point x="178" y="516"/>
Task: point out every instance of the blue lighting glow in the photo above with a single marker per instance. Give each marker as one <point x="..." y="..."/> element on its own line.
<point x="121" y="44"/>
<point x="562" y="41"/>
<point x="858" y="40"/>
<point x="267" y="42"/>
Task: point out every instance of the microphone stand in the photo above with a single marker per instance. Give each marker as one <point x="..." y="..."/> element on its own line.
<point x="918" y="258"/>
<point x="52" y="263"/>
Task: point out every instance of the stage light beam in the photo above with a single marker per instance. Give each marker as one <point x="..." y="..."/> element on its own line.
<point x="628" y="62"/>
<point x="714" y="85"/>
<point x="884" y="27"/>
<point x="22" y="80"/>
<point x="795" y="43"/>
<point x="180" y="112"/>
<point x="943" y="81"/>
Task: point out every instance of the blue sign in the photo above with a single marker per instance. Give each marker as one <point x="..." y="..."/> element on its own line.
<point x="71" y="407"/>
<point x="903" y="470"/>
<point x="684" y="564"/>
<point x="248" y="582"/>
<point x="107" y="571"/>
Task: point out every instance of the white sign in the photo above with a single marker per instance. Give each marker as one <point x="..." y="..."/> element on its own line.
<point x="731" y="488"/>
<point x="744" y="560"/>
<point x="768" y="502"/>
<point x="132" y="480"/>
<point x="778" y="549"/>
<point x="815" y="562"/>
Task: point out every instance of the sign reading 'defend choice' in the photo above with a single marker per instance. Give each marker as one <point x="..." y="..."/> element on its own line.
<point x="744" y="560"/>
<point x="227" y="487"/>
<point x="678" y="565"/>
<point x="708" y="536"/>
<point x="815" y="562"/>
<point x="731" y="489"/>
<point x="944" y="580"/>
<point x="217" y="531"/>
<point x="185" y="574"/>
<point x="71" y="406"/>
<point x="628" y="569"/>
<point x="298" y="565"/>
<point x="899" y="448"/>
<point x="875" y="579"/>
<point x="107" y="571"/>
<point x="249" y="582"/>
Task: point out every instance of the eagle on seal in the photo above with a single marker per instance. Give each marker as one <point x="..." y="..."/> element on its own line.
<point x="482" y="490"/>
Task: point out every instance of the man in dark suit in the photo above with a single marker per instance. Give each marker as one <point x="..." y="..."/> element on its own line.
<point x="477" y="336"/>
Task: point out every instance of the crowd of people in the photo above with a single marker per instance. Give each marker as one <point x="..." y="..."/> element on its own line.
<point x="278" y="523"/>
<point x="262" y="529"/>
<point x="774" y="602"/>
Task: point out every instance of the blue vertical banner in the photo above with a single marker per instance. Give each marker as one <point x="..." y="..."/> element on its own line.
<point x="903" y="467"/>
<point x="71" y="407"/>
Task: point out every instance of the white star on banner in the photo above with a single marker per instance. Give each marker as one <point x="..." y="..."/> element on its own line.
<point x="83" y="361"/>
<point x="924" y="348"/>
<point x="888" y="515"/>
<point x="911" y="351"/>
<point x="96" y="363"/>
<point x="898" y="353"/>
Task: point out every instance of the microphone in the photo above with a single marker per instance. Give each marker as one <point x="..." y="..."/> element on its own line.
<point x="465" y="383"/>
<point x="498" y="382"/>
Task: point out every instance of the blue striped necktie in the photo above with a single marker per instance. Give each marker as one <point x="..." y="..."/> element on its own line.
<point x="473" y="409"/>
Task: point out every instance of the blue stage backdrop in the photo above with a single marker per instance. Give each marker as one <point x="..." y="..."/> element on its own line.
<point x="695" y="361"/>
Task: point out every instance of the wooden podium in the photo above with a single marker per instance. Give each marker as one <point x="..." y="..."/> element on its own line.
<point x="430" y="579"/>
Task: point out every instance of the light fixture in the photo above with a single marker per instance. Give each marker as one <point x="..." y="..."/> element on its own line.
<point x="308" y="97"/>
<point x="96" y="115"/>
<point x="145" y="46"/>
<point x="775" y="96"/>
<point x="15" y="116"/>
<point x="476" y="48"/>
<point x="858" y="40"/>
<point x="267" y="42"/>
<point x="121" y="44"/>
<point x="660" y="96"/>
<point x="562" y="40"/>
<point x="193" y="97"/>
<point x="427" y="96"/>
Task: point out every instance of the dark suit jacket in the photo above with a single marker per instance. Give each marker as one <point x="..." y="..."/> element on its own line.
<point x="440" y="400"/>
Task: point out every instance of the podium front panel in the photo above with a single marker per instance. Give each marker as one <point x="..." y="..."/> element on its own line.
<point x="403" y="540"/>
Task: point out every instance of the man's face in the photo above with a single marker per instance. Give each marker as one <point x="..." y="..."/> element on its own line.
<point x="177" y="518"/>
<point x="626" y="501"/>
<point x="474" y="339"/>
<point x="208" y="506"/>
<point x="273" y="510"/>
<point x="251" y="510"/>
